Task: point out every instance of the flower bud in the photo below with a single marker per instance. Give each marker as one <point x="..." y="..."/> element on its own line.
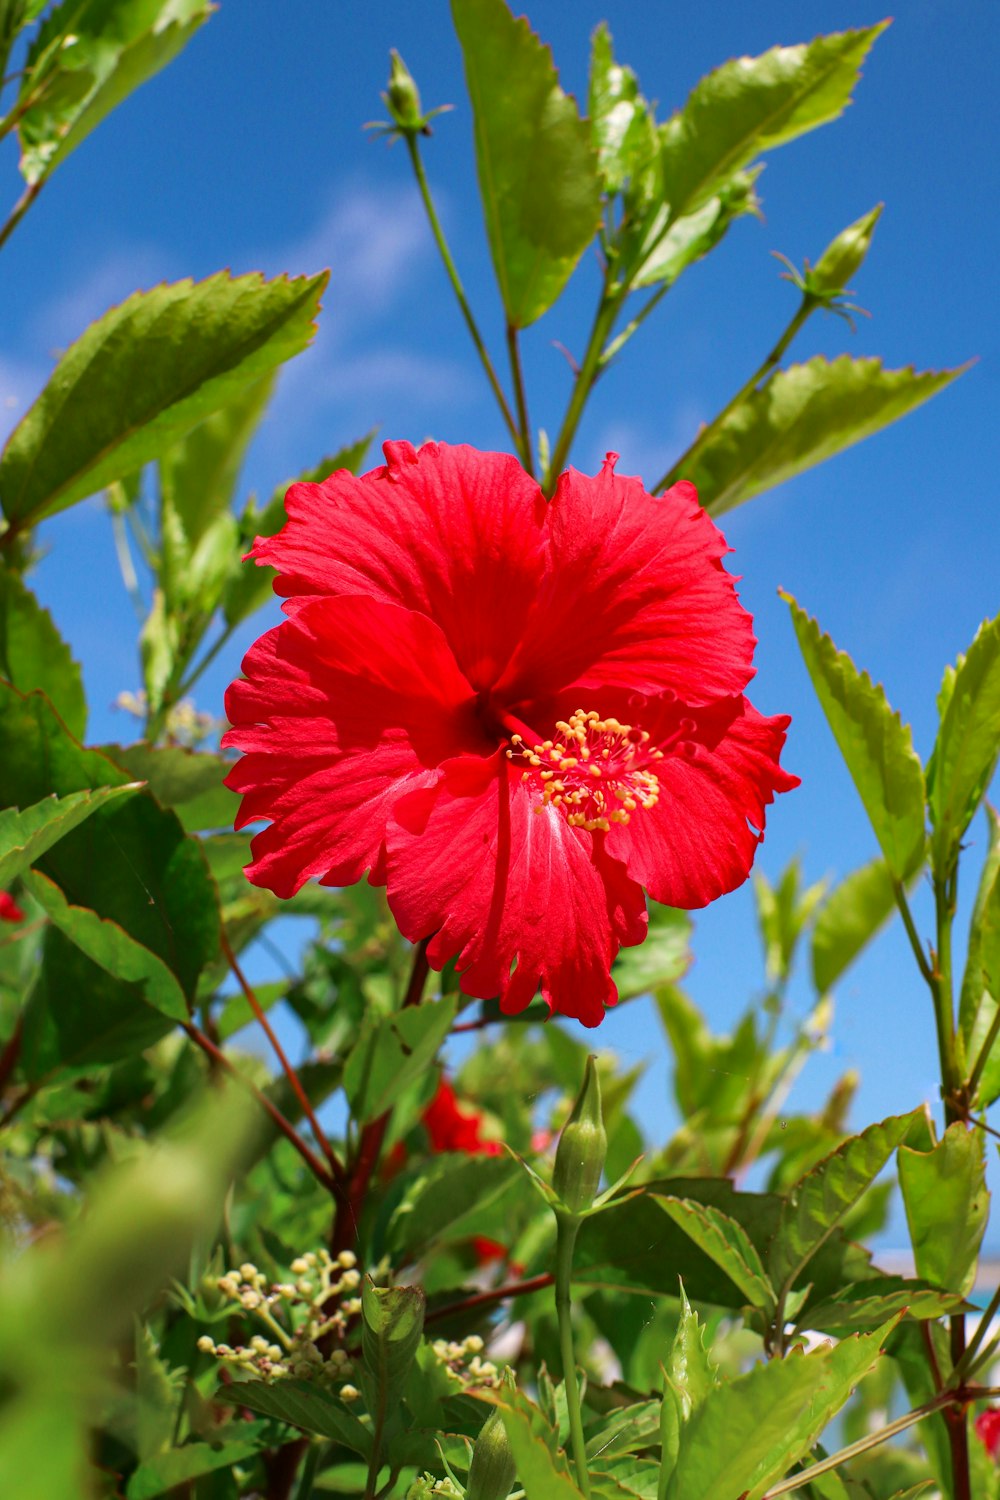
<point x="402" y="97"/>
<point x="493" y="1470"/>
<point x="582" y="1148"/>
<point x="844" y="255"/>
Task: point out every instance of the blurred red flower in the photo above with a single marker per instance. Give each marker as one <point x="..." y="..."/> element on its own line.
<point x="514" y="714"/>
<point x="988" y="1430"/>
<point x="9" y="909"/>
<point x="452" y="1128"/>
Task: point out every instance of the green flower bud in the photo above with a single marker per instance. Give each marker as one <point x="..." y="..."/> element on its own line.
<point x="492" y="1471"/>
<point x="402" y="97"/>
<point x="844" y="255"/>
<point x="582" y="1147"/>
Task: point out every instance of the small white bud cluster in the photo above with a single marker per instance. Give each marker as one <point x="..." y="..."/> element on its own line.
<point x="473" y="1371"/>
<point x="311" y="1312"/>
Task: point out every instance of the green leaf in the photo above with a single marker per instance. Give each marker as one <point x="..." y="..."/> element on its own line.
<point x="753" y="103"/>
<point x="862" y="1305"/>
<point x="129" y="865"/>
<point x="849" y="919"/>
<point x="783" y="910"/>
<point x="748" y="1432"/>
<point x="159" y="1390"/>
<point x="156" y="1476"/>
<point x="798" y="418"/>
<point x="447" y="1200"/>
<point x="947" y="1205"/>
<point x="251" y="586"/>
<point x="391" y="1052"/>
<point x="189" y="781"/>
<point x="538" y="172"/>
<point x="876" y="746"/>
<point x="689" y="1376"/>
<point x="625" y="1429"/>
<point x="301" y="1404"/>
<point x="541" y="1468"/>
<point x="392" y="1327"/>
<point x="664" y="252"/>
<point x="981" y="979"/>
<point x="86" y="59"/>
<point x="143" y="375"/>
<point x="727" y="1243"/>
<point x="663" y="956"/>
<point x="198" y="475"/>
<point x="25" y="836"/>
<point x="967" y="745"/>
<point x="823" y="1198"/>
<point x="34" y="655"/>
<point x="78" y="1016"/>
<point x="620" y="120"/>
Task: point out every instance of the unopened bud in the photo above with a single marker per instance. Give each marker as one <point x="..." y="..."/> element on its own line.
<point x="582" y="1148"/>
<point x="842" y="258"/>
<point x="402" y="97"/>
<point x="493" y="1470"/>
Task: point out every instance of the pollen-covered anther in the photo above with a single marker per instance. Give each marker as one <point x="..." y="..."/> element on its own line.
<point x="597" y="771"/>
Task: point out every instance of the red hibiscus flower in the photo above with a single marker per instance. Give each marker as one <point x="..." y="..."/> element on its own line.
<point x="514" y="714"/>
<point x="9" y="909"/>
<point x="988" y="1430"/>
<point x="452" y="1128"/>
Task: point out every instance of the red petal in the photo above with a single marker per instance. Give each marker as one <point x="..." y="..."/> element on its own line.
<point x="520" y="900"/>
<point x="9" y="909"/>
<point x="636" y="596"/>
<point x="450" y="532"/>
<point x="700" y="839"/>
<point x="343" y="710"/>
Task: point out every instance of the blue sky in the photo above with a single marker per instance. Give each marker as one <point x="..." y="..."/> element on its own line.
<point x="248" y="152"/>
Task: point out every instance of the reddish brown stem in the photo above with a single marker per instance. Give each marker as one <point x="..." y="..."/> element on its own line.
<point x="11" y="1053"/>
<point x="319" y="1134"/>
<point x="312" y="1161"/>
<point x="498" y="1294"/>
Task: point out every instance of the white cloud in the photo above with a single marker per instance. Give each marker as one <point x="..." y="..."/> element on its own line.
<point x="20" y="383"/>
<point x="125" y="270"/>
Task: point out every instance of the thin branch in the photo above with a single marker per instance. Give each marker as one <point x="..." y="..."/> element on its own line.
<point x="19" y="210"/>
<point x="486" y="1299"/>
<point x="293" y="1078"/>
<point x="853" y="1450"/>
<point x="517" y="375"/>
<point x="291" y="1135"/>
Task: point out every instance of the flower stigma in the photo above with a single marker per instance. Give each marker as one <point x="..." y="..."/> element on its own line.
<point x="595" y="770"/>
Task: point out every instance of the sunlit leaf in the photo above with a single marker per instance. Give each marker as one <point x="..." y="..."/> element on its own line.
<point x="877" y="747"/>
<point x="967" y="745"/>
<point x="144" y="374"/>
<point x="34" y="655"/>
<point x="538" y="172"/>
<point x="25" y="836"/>
<point x="849" y="918"/>
<point x="947" y="1205"/>
<point x="980" y="994"/>
<point x="727" y="1243"/>
<point x="391" y="1051"/>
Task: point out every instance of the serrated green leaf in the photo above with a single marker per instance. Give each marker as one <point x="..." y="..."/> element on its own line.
<point x="446" y="1200"/>
<point x="86" y="59"/>
<point x="34" y="655"/>
<point x="822" y="1199"/>
<point x="25" y="836"/>
<point x="198" y="475"/>
<point x="981" y="980"/>
<point x="727" y="1243"/>
<point x="129" y="864"/>
<point x="392" y="1327"/>
<point x="538" y="172"/>
<point x="663" y="252"/>
<point x="159" y="1389"/>
<point x="157" y="1476"/>
<point x="250" y="587"/>
<point x="626" y="1429"/>
<point x="689" y="1375"/>
<point x="864" y="1305"/>
<point x="620" y="119"/>
<point x="783" y="910"/>
<point x="748" y="1432"/>
<point x="143" y="375"/>
<point x="800" y="417"/>
<point x="850" y="917"/>
<point x="876" y="746"/>
<point x="188" y="781"/>
<point x="541" y="1468"/>
<point x="967" y="746"/>
<point x="753" y="103"/>
<point x="947" y="1205"/>
<point x="391" y="1051"/>
<point x="624" y="1478"/>
<point x="663" y="956"/>
<point x="303" y="1405"/>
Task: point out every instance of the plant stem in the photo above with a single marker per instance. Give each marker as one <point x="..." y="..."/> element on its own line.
<point x="984" y="1056"/>
<point x="590" y="368"/>
<point x="872" y="1440"/>
<point x="459" y="290"/>
<point x="911" y="933"/>
<point x="196" y="671"/>
<point x="126" y="566"/>
<point x="309" y="1156"/>
<point x="310" y="1469"/>
<point x="19" y="210"/>
<point x="567" y="1228"/>
<point x="495" y="1294"/>
<point x="806" y="307"/>
<point x="517" y="375"/>
<point x="293" y="1078"/>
